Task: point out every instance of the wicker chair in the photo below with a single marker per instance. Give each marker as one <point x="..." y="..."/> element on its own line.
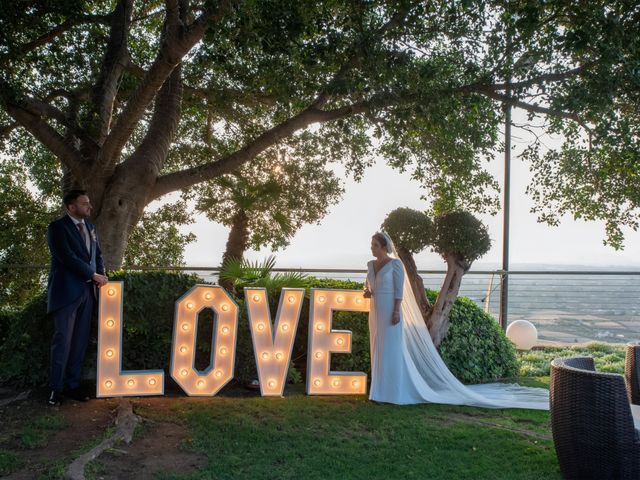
<point x="632" y="372"/>
<point x="591" y="422"/>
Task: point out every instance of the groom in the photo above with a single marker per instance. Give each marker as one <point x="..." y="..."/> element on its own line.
<point x="76" y="268"/>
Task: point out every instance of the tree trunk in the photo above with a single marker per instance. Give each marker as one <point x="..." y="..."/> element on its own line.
<point x="439" y="317"/>
<point x="417" y="285"/>
<point x="236" y="243"/>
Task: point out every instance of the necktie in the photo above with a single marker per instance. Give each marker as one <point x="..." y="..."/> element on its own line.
<point x="84" y="236"/>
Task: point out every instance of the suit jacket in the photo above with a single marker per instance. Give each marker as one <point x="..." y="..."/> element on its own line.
<point x="72" y="266"/>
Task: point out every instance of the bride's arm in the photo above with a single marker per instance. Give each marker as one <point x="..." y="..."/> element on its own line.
<point x="367" y="287"/>
<point x="398" y="283"/>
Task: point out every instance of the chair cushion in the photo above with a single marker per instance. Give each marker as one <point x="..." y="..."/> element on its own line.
<point x="635" y="411"/>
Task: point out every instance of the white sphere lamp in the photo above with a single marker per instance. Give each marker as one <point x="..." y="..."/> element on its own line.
<point x="523" y="333"/>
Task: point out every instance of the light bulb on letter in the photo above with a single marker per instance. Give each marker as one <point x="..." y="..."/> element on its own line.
<point x="110" y="323"/>
<point x="109" y="353"/>
<point x="223" y="351"/>
<point x="183" y="349"/>
<point x="291" y="299"/>
<point x="225" y="307"/>
<point x="189" y="306"/>
<point x="185" y="327"/>
<point x="152" y="381"/>
<point x="285" y="327"/>
<point x="340" y="341"/>
<point x="225" y="330"/>
<point x="256" y="298"/>
<point x="108" y="384"/>
<point x="111" y="292"/>
<point x="218" y="373"/>
<point x="131" y="382"/>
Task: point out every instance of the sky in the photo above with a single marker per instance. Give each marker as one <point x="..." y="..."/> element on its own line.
<point x="342" y="238"/>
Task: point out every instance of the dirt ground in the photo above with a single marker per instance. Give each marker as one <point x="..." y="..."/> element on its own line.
<point x="157" y="445"/>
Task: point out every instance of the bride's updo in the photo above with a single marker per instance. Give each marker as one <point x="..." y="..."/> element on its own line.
<point x="384" y="240"/>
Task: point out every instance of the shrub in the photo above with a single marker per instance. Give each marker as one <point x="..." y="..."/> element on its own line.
<point x="476" y="348"/>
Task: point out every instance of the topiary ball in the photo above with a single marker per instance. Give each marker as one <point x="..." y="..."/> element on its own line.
<point x="476" y="349"/>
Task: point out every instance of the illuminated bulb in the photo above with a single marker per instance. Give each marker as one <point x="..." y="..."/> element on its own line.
<point x="200" y="383"/>
<point x="109" y="353"/>
<point x="218" y="373"/>
<point x="208" y="296"/>
<point x="223" y="351"/>
<point x="279" y="356"/>
<point x="183" y="349"/>
<point x="110" y="323"/>
<point x="108" y="384"/>
<point x="225" y="330"/>
<point x="340" y="299"/>
<point x="131" y="383"/>
<point x="272" y="384"/>
<point x="336" y="383"/>
<point x="261" y="326"/>
<point x="265" y="355"/>
<point x="358" y="300"/>
<point x="111" y="292"/>
<point x="340" y="341"/>
<point x="318" y="354"/>
<point x="183" y="372"/>
<point x="225" y="307"/>
<point x="256" y="298"/>
<point x="316" y="382"/>
<point x="321" y="299"/>
<point x="185" y="326"/>
<point x="355" y="383"/>
<point x="320" y="327"/>
<point x="152" y="381"/>
<point x="285" y="327"/>
<point x="292" y="299"/>
<point x="189" y="305"/>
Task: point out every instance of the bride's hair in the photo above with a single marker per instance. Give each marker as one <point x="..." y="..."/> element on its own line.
<point x="384" y="240"/>
<point x="380" y="238"/>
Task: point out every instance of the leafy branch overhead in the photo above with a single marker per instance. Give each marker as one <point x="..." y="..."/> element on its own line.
<point x="134" y="100"/>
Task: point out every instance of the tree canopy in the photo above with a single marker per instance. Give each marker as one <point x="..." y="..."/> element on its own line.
<point x="135" y="100"/>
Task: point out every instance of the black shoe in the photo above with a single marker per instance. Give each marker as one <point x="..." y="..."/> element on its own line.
<point x="77" y="394"/>
<point x="55" y="399"/>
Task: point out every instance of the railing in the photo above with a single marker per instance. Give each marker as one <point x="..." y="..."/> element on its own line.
<point x="565" y="306"/>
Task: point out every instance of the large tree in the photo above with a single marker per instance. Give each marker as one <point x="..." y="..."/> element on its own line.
<point x="134" y="100"/>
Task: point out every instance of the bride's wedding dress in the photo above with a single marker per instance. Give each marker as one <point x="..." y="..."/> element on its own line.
<point x="406" y="368"/>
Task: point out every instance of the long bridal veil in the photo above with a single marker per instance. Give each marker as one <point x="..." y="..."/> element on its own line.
<point x="435" y="382"/>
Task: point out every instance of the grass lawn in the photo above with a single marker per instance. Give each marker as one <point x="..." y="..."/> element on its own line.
<point x="349" y="437"/>
<point x="608" y="358"/>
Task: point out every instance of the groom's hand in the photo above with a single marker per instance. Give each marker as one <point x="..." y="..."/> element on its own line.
<point x="99" y="280"/>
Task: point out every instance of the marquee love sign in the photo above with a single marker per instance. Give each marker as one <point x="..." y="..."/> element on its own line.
<point x="272" y="342"/>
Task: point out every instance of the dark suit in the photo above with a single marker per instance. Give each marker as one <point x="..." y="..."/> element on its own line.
<point x="71" y="297"/>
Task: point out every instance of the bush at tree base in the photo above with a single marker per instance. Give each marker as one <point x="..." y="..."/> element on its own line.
<point x="475" y="349"/>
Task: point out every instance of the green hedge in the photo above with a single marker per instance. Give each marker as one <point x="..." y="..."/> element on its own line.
<point x="476" y="349"/>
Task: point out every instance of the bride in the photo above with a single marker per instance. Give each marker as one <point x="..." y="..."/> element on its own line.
<point x="405" y="365"/>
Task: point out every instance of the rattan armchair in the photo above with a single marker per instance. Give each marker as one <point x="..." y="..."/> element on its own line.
<point x="591" y="421"/>
<point x="632" y="372"/>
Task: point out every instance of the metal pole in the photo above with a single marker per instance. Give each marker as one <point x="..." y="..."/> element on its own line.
<point x="504" y="286"/>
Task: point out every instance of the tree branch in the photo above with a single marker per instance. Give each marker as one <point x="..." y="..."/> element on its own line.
<point x="66" y="153"/>
<point x="192" y="176"/>
<point x="177" y="43"/>
<point x="23" y="49"/>
<point x="106" y="88"/>
<point x="514" y="102"/>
